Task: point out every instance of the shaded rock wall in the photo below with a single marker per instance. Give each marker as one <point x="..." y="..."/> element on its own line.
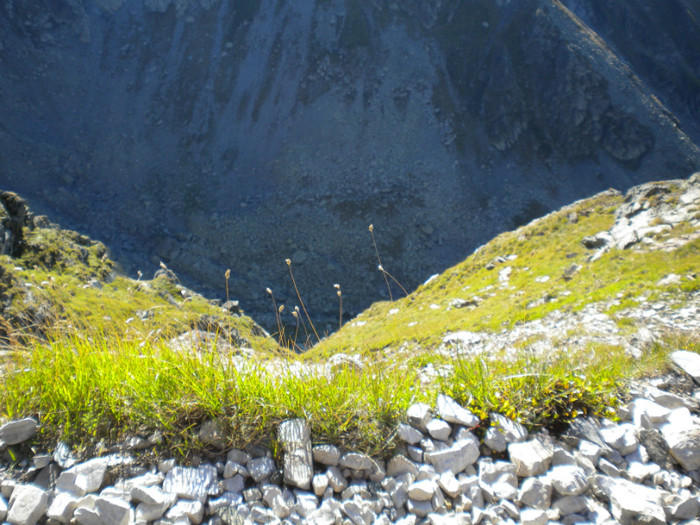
<point x="236" y="133"/>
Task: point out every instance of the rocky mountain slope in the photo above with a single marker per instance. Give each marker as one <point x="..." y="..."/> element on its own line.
<point x="221" y="134"/>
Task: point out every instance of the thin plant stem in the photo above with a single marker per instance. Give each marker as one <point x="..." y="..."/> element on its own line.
<point x="301" y="301"/>
<point x="379" y="259"/>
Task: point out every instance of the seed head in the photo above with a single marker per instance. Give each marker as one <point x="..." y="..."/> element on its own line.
<point x="371" y="227"/>
<point x="268" y="291"/>
<point x="339" y="293"/>
<point x="336" y="286"/>
<point x="280" y="308"/>
<point x="227" y="274"/>
<point x="288" y="261"/>
<point x="295" y="314"/>
<point x="380" y="268"/>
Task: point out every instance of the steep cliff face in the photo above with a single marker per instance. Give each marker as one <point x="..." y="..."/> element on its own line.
<point x="220" y="134"/>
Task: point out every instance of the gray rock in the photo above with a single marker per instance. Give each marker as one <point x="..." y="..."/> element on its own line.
<point x="513" y="431"/>
<point x="689" y="362"/>
<point x="568" y="480"/>
<point x="295" y="437"/>
<point x="84" y="478"/>
<point x="62" y="507"/>
<point x="497" y="479"/>
<point x="400" y="464"/>
<point x="3" y="509"/>
<point x="336" y="479"/>
<point x="408" y="434"/>
<point x="192" y="483"/>
<point x="683" y="443"/>
<point x="439" y="429"/>
<point x="213" y="433"/>
<point x="632" y="503"/>
<point x="27" y="504"/>
<point x="531" y="458"/>
<point x="495" y="440"/>
<point x="422" y="490"/>
<point x="622" y="437"/>
<point x="570" y="505"/>
<point x="193" y="510"/>
<point x="113" y="511"/>
<point x="328" y="454"/>
<point x="533" y="517"/>
<point x="355" y="461"/>
<point x="261" y="468"/>
<point x="457" y="457"/>
<point x="536" y="493"/>
<point x="419" y="414"/>
<point x="449" y="410"/>
<point x="238" y="456"/>
<point x="18" y="431"/>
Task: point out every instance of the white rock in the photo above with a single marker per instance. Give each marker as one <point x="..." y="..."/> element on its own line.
<point x="234" y="484"/>
<point x="495" y="440"/>
<point x="590" y="450"/>
<point x="18" y="431"/>
<point x="227" y="499"/>
<point x="355" y="461"/>
<point x="192" y="483"/>
<point x="512" y="430"/>
<point x="622" y="438"/>
<point x="327" y="454"/>
<point x="6" y="487"/>
<point x="449" y="410"/>
<point x="536" y="492"/>
<point x="533" y="517"/>
<point x="684" y="443"/>
<point x="260" y="468"/>
<point x="193" y="510"/>
<point x="419" y="508"/>
<point x="457" y="457"/>
<point x="400" y="464"/>
<point x="419" y="415"/>
<point x="439" y="429"/>
<point x="86" y="516"/>
<point x="681" y="507"/>
<point x="422" y="490"/>
<point x="531" y="458"/>
<point x="408" y="434"/>
<point x="449" y="484"/>
<point x="568" y="480"/>
<point x="689" y="362"/>
<point x="570" y="505"/>
<point x="646" y="413"/>
<point x="3" y="509"/>
<point x="319" y="483"/>
<point x="306" y="503"/>
<point x="295" y="437"/>
<point x="497" y="479"/>
<point x="238" y="456"/>
<point x="336" y="479"/>
<point x="84" y="478"/>
<point x="113" y="511"/>
<point x="633" y="503"/>
<point x="231" y="468"/>
<point x="152" y="495"/>
<point x="62" y="507"/>
<point x="27" y="504"/>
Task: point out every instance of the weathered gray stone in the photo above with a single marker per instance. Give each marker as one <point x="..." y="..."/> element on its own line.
<point x="495" y="440"/>
<point x="3" y="508"/>
<point x="27" y="504"/>
<point x="512" y="430"/>
<point x="450" y="484"/>
<point x="622" y="437"/>
<point x="536" y="493"/>
<point x="683" y="443"/>
<point x="419" y="414"/>
<point x="449" y="410"/>
<point x="84" y="478"/>
<point x="193" y="510"/>
<point x="260" y="468"/>
<point x="439" y="429"/>
<point x="681" y="507"/>
<point x="632" y="503"/>
<point x="336" y="479"/>
<point x="457" y="457"/>
<point x="326" y="454"/>
<point x="408" y="434"/>
<point x="570" y="505"/>
<point x="113" y="511"/>
<point x="533" y="517"/>
<point x="497" y="479"/>
<point x="531" y="458"/>
<point x="62" y="507"/>
<point x="422" y="490"/>
<point x="87" y="516"/>
<point x="295" y="437"/>
<point x="18" y="431"/>
<point x="238" y="456"/>
<point x="355" y="461"/>
<point x="646" y="413"/>
<point x="400" y="464"/>
<point x="213" y="433"/>
<point x="192" y="483"/>
<point x="568" y="480"/>
<point x="689" y="362"/>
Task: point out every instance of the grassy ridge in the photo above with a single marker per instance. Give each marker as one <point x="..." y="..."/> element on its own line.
<point x="88" y="351"/>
